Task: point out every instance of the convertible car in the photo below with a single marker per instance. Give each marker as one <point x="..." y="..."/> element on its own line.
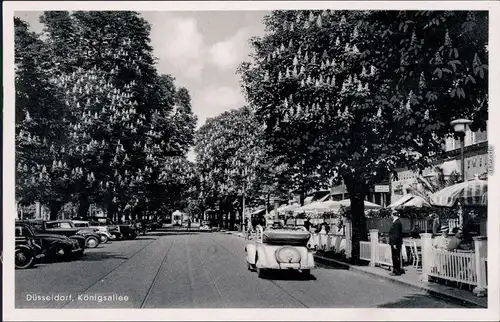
<point x="279" y="248"/>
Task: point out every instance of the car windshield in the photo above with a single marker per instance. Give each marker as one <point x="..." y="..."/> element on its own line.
<point x="81" y="224"/>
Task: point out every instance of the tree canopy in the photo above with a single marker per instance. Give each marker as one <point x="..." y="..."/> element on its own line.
<point x="113" y="131"/>
<point x="355" y="94"/>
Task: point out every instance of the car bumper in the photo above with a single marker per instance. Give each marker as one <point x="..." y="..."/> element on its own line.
<point x="295" y="266"/>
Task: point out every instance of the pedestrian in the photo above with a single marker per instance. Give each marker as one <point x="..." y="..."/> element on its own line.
<point x="396" y="242"/>
<point x="189" y="223"/>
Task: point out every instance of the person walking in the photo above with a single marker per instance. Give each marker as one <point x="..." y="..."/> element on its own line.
<point x="396" y="242"/>
<point x="189" y="223"/>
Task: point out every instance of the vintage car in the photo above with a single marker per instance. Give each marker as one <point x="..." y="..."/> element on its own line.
<point x="67" y="228"/>
<point x="26" y="251"/>
<point x="102" y="231"/>
<point x="126" y="230"/>
<point x="39" y="227"/>
<point x="283" y="248"/>
<point x="48" y="245"/>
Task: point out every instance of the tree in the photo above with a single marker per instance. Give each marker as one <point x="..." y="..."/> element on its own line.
<point x="355" y="94"/>
<point x="118" y="122"/>
<point x="40" y="125"/>
<point x="232" y="161"/>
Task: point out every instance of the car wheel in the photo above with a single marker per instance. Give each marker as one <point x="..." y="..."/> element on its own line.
<point x="132" y="236"/>
<point x="91" y="242"/>
<point x="79" y="253"/>
<point x="104" y="239"/>
<point x="24" y="259"/>
<point x="261" y="272"/>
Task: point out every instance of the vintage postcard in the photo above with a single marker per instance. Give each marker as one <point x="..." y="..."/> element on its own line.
<point x="250" y="161"/>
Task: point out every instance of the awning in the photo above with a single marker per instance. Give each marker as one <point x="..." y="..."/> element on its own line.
<point x="401" y="201"/>
<point x="409" y="200"/>
<point x="472" y="193"/>
<point x="258" y="211"/>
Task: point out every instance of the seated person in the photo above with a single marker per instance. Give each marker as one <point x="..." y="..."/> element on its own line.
<point x="441" y="242"/>
<point x="415" y="233"/>
<point x="455" y="241"/>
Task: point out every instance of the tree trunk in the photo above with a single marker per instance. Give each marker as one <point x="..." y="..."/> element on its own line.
<point x="110" y="210"/>
<point x="83" y="206"/>
<point x="357" y="193"/>
<point x="54" y="207"/>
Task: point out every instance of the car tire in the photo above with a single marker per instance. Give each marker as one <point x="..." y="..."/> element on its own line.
<point x="104" y="239"/>
<point x="91" y="242"/>
<point x="261" y="273"/>
<point x="79" y="253"/>
<point x="132" y="236"/>
<point x="24" y="259"/>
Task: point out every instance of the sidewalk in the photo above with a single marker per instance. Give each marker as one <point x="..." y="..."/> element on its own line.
<point x="412" y="278"/>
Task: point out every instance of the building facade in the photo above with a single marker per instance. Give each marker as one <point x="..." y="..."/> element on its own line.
<point x="475" y="160"/>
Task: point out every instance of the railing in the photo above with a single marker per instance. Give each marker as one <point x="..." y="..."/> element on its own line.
<point x="384" y="255"/>
<point x="461" y="267"/>
<point x="327" y="242"/>
<point x="365" y="250"/>
<point x="453" y="266"/>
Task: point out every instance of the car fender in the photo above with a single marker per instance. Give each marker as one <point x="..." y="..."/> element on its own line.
<point x="27" y="248"/>
<point x="251" y="252"/>
<point x="265" y="256"/>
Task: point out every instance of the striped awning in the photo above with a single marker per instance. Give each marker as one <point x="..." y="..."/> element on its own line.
<point x="409" y="200"/>
<point x="471" y="193"/>
<point x="401" y="201"/>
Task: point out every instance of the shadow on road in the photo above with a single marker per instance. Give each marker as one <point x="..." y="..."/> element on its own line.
<point x="415" y="301"/>
<point x="330" y="265"/>
<point x="172" y="233"/>
<point x="98" y="257"/>
<point x="287" y="275"/>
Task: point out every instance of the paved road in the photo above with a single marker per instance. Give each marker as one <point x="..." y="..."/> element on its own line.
<point x="199" y="270"/>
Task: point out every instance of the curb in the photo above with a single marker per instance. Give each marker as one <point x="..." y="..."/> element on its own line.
<point x="432" y="292"/>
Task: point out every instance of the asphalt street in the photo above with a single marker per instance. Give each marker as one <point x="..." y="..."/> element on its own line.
<point x="198" y="270"/>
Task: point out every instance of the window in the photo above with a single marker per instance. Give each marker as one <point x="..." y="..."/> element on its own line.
<point x="65" y="225"/>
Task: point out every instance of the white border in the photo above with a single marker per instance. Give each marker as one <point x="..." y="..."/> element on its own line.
<point x="12" y="314"/>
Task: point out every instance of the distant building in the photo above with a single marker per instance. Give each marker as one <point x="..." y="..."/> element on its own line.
<point x="475" y="159"/>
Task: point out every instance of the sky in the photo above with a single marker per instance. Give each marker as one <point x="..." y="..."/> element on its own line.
<point x="202" y="50"/>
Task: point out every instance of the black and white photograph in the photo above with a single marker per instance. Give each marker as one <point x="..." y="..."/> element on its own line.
<point x="276" y="157"/>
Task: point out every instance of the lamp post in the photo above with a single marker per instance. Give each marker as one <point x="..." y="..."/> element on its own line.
<point x="460" y="126"/>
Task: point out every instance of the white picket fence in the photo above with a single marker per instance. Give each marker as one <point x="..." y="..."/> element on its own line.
<point x="365" y="250"/>
<point x="468" y="268"/>
<point x="328" y="242"/>
<point x="454" y="266"/>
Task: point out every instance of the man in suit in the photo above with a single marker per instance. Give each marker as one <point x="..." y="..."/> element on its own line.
<point x="396" y="242"/>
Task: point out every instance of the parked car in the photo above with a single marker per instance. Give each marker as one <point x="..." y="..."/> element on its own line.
<point x="67" y="228"/>
<point x="48" y="245"/>
<point x="39" y="227"/>
<point x="127" y="230"/>
<point x="205" y="228"/>
<point x="102" y="231"/>
<point x="26" y="251"/>
<point x="153" y="225"/>
<point x="283" y="248"/>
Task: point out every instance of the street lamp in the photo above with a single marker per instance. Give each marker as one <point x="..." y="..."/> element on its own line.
<point x="460" y="126"/>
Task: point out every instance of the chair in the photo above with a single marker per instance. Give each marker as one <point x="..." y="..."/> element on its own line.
<point x="416" y="254"/>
